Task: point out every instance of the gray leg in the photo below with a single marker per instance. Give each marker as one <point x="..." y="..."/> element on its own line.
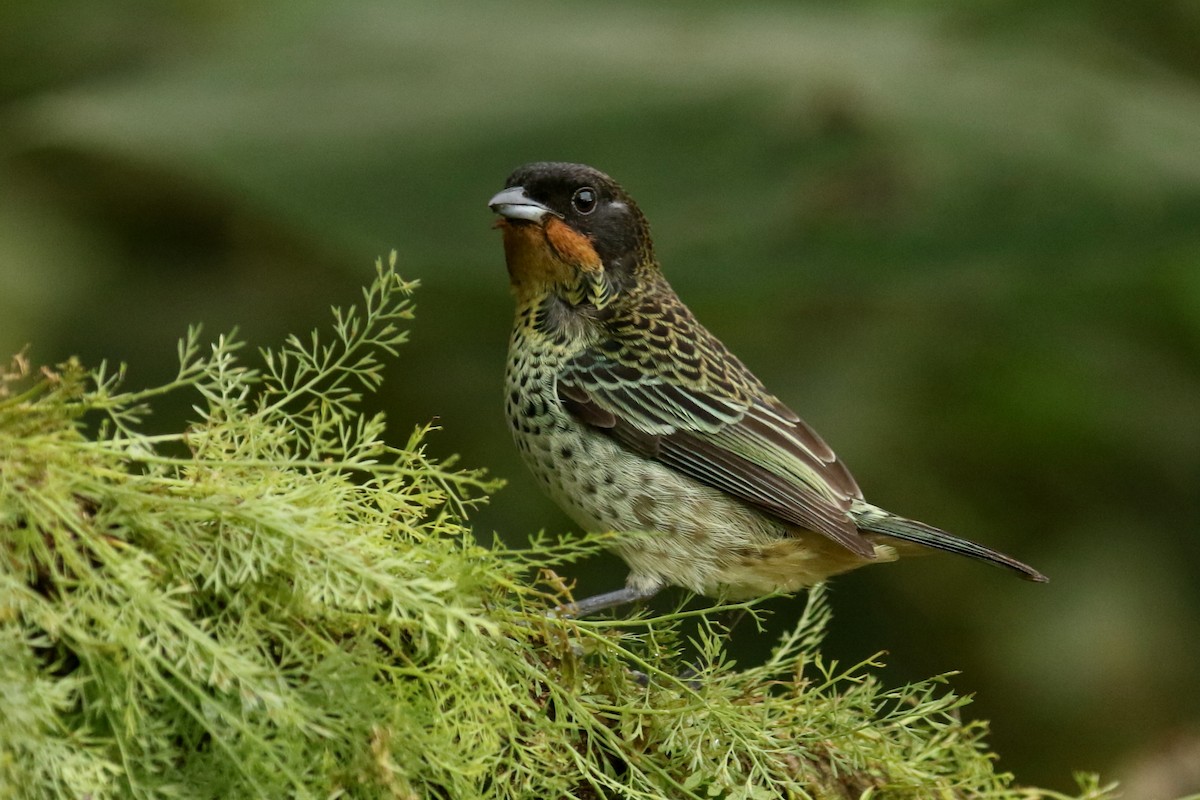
<point x="602" y="602"/>
<point x="730" y="620"/>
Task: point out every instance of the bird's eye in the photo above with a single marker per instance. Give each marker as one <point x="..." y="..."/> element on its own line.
<point x="584" y="200"/>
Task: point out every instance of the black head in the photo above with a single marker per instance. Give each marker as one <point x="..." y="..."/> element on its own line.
<point x="589" y="202"/>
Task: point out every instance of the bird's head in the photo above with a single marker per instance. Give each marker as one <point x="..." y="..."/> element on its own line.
<point x="570" y="230"/>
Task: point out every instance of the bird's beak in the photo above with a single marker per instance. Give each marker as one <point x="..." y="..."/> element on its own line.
<point x="513" y="203"/>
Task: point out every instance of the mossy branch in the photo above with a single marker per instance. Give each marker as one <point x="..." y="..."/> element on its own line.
<point x="276" y="602"/>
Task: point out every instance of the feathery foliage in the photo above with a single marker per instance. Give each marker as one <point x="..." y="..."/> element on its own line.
<point x="276" y="602"/>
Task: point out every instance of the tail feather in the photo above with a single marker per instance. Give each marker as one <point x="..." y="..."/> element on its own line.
<point x="875" y="520"/>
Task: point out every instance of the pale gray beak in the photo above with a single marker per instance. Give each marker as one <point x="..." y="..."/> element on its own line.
<point x="513" y="203"/>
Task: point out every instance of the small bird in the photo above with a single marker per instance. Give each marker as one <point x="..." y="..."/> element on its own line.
<point x="634" y="418"/>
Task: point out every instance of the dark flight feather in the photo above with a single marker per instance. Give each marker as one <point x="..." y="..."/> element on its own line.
<point x="709" y="418"/>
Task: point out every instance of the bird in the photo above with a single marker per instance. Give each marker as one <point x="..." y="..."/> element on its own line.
<point x="635" y="419"/>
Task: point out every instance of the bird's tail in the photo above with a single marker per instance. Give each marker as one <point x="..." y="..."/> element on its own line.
<point x="872" y="519"/>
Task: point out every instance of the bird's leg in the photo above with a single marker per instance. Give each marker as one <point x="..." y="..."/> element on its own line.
<point x="730" y="619"/>
<point x="602" y="602"/>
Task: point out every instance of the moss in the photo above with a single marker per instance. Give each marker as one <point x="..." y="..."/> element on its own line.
<point x="276" y="602"/>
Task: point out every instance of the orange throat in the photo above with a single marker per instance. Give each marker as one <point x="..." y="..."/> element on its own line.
<point x="543" y="256"/>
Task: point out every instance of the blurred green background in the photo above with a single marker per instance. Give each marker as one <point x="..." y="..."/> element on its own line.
<point x="963" y="243"/>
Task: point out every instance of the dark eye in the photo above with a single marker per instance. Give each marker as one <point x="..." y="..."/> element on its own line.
<point x="584" y="200"/>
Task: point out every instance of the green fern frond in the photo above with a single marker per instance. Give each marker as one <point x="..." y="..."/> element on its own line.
<point x="280" y="602"/>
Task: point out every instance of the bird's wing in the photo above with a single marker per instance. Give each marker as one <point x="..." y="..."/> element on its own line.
<point x="685" y="401"/>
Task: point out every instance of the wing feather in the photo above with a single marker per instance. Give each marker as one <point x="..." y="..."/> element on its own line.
<point x="747" y="445"/>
